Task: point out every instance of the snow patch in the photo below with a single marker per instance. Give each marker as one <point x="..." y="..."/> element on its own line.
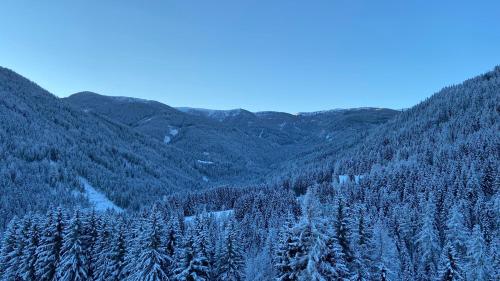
<point x="219" y="115"/>
<point x="357" y="178"/>
<point x="97" y="199"/>
<point x="217" y="215"/>
<point x="347" y="178"/>
<point x="172" y="132"/>
<point x="205" y="162"/>
<point x="343" y="178"/>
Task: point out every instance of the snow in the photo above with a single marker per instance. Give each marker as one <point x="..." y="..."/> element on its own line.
<point x="172" y="132"/>
<point x="205" y="162"/>
<point x="346" y="178"/>
<point x="314" y="113"/>
<point x="219" y="115"/>
<point x="131" y="100"/>
<point x="218" y="215"/>
<point x="357" y="178"/>
<point x="343" y="178"/>
<point x="97" y="199"/>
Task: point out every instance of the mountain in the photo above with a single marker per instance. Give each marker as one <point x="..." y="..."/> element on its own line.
<point x="233" y="146"/>
<point x="413" y="196"/>
<point x="452" y="133"/>
<point x="46" y="147"/>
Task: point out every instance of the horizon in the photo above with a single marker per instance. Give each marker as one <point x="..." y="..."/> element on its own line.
<point x="259" y="56"/>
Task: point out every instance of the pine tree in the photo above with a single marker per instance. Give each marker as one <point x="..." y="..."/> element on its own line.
<point x="342" y="230"/>
<point x="427" y="242"/>
<point x="195" y="261"/>
<point x="361" y="238"/>
<point x="333" y="265"/>
<point x="230" y="259"/>
<point x="384" y="257"/>
<point x="456" y="232"/>
<point x="102" y="247"/>
<point x="287" y="249"/>
<point x="187" y="269"/>
<point x="30" y="256"/>
<point x="152" y="259"/>
<point x="73" y="260"/>
<point x="478" y="260"/>
<point x="8" y="256"/>
<point x="488" y="180"/>
<point x="319" y="256"/>
<point x="173" y="244"/>
<point x="449" y="268"/>
<point x="51" y="241"/>
<point x="22" y="243"/>
<point x="203" y="248"/>
<point x="117" y="261"/>
<point x="90" y="237"/>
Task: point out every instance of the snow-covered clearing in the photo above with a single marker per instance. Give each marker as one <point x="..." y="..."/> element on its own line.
<point x="218" y="215"/>
<point x="347" y="178"/>
<point x="205" y="162"/>
<point x="172" y="132"/>
<point x="99" y="201"/>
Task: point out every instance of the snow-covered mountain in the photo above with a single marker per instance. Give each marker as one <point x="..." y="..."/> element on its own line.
<point x="46" y="145"/>
<point x="359" y="194"/>
<point x="242" y="146"/>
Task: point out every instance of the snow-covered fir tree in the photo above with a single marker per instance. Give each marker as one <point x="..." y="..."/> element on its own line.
<point x="51" y="243"/>
<point x="479" y="263"/>
<point x="450" y="267"/>
<point x="230" y="259"/>
<point x="150" y="264"/>
<point x="73" y="265"/>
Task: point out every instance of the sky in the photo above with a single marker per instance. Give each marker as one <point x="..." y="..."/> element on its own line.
<point x="291" y="56"/>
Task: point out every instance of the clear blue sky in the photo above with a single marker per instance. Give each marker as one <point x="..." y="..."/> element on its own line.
<point x="260" y="55"/>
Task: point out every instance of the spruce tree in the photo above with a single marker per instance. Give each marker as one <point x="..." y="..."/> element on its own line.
<point x="449" y="268"/>
<point x="173" y="244"/>
<point x="230" y="261"/>
<point x="8" y="255"/>
<point x="30" y="256"/>
<point x="187" y="269"/>
<point x="332" y="264"/>
<point x="342" y="229"/>
<point x="102" y="247"/>
<point x="90" y="240"/>
<point x="117" y="262"/>
<point x="456" y="232"/>
<point x="428" y="243"/>
<point x="478" y="261"/>
<point x="286" y="250"/>
<point x="150" y="265"/>
<point x="73" y="259"/>
<point x="51" y="241"/>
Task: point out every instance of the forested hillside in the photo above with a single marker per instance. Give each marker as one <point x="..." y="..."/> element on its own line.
<point x="45" y="146"/>
<point x="414" y="198"/>
<point x="236" y="146"/>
